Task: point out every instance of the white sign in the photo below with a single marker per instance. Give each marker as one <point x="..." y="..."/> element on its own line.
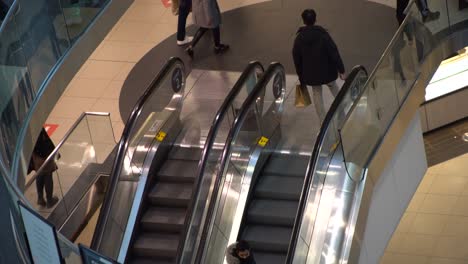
<point x="42" y="238"/>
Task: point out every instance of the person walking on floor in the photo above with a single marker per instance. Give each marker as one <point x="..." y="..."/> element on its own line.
<point x="185" y="6"/>
<point x="43" y="148"/>
<point x="317" y="60"/>
<point x="206" y="15"/>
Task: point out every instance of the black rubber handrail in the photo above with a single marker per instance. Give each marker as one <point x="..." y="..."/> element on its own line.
<point x="237" y="125"/>
<point x="122" y="149"/>
<point x="315" y="156"/>
<point x="210" y="140"/>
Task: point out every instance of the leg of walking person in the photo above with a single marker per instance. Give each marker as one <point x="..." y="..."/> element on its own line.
<point x="427" y="15"/>
<point x="318" y="101"/>
<point x="334" y="89"/>
<point x="40" y="189"/>
<point x="184" y="11"/>
<point x="219" y="48"/>
<point x="49" y="189"/>
<point x="196" y="38"/>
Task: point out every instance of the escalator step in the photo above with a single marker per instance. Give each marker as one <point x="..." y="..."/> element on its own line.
<point x="184" y="153"/>
<point x="269" y="258"/>
<point x="150" y="261"/>
<point x="274" y="239"/>
<point x="156" y="245"/>
<point x="178" y="171"/>
<point x="171" y="194"/>
<point x="279" y="187"/>
<point x="163" y="219"/>
<point x="272" y="212"/>
<point x="286" y="164"/>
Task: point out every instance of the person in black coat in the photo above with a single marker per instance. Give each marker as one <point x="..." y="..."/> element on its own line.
<point x="43" y="148"/>
<point x="240" y="253"/>
<point x="317" y="60"/>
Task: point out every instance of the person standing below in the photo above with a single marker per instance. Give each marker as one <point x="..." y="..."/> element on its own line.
<point x="239" y="253"/>
<point x="206" y="15"/>
<point x="317" y="60"/>
<point x="43" y="148"/>
<point x="184" y="10"/>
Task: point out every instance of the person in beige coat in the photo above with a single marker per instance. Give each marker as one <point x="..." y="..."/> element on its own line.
<point x="206" y="15"/>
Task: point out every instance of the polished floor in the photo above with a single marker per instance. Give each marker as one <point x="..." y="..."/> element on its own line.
<point x="433" y="230"/>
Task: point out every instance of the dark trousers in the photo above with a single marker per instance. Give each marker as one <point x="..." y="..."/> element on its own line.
<point x="45" y="181"/>
<point x="184" y="11"/>
<point x="201" y="31"/>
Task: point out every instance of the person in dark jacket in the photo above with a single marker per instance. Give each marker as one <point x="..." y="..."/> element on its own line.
<point x="426" y="14"/>
<point x="239" y="253"/>
<point x="43" y="148"/>
<point x="317" y="60"/>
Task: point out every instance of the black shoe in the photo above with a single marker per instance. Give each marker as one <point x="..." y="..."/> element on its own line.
<point x="221" y="48"/>
<point x="41" y="201"/>
<point x="189" y="51"/>
<point x="52" y="202"/>
<point x="431" y="16"/>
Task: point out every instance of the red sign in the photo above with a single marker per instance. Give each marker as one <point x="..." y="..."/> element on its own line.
<point x="166" y="3"/>
<point x="50" y="128"/>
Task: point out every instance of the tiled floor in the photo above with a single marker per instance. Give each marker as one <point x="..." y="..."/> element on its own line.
<point x="433" y="230"/>
<point x="97" y="85"/>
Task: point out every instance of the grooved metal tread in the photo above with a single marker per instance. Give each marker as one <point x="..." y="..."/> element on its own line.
<point x="185" y="153"/>
<point x="273" y="239"/>
<point x="272" y="212"/>
<point x="279" y="187"/>
<point x="163" y="218"/>
<point x="150" y="261"/>
<point x="262" y="257"/>
<point x="178" y="171"/>
<point x="170" y="194"/>
<point x="286" y="165"/>
<point x="156" y="245"/>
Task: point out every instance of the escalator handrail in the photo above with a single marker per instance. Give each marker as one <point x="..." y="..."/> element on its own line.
<point x="252" y="67"/>
<point x="13" y="8"/>
<point x="122" y="149"/>
<point x="237" y="125"/>
<point x="315" y="156"/>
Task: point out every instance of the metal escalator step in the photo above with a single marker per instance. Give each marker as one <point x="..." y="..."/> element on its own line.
<point x="185" y="153"/>
<point x="272" y="212"/>
<point x="273" y="239"/>
<point x="171" y="194"/>
<point x="163" y="219"/>
<point x="178" y="171"/>
<point x="269" y="258"/>
<point x="156" y="245"/>
<point x="286" y="164"/>
<point x="279" y="187"/>
<point x="151" y="261"/>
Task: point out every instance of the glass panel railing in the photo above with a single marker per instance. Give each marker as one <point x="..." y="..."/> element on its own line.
<point x="395" y="75"/>
<point x="318" y="171"/>
<point x="325" y="228"/>
<point x="259" y="118"/>
<point x="34" y="36"/>
<point x="211" y="157"/>
<point x="78" y="160"/>
<point x="163" y="96"/>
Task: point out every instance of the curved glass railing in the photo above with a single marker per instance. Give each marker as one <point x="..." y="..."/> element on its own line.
<point x="163" y="97"/>
<point x="211" y="158"/>
<point x="318" y="169"/>
<point x="324" y="228"/>
<point x="258" y="120"/>
<point x="35" y="35"/>
<point x="79" y="159"/>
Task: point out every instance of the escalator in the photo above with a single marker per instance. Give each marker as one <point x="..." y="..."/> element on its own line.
<point x="263" y="171"/>
<point x="152" y="204"/>
<point x="269" y="216"/>
<point x="165" y="206"/>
